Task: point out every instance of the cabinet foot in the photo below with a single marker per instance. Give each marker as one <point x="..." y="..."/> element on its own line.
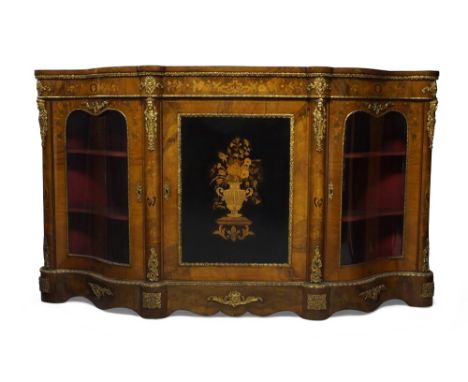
<point x="235" y="298"/>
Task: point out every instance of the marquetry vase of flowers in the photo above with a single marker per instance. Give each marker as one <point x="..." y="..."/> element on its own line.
<point x="235" y="179"/>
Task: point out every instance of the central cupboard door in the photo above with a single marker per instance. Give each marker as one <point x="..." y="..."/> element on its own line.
<point x="235" y="181"/>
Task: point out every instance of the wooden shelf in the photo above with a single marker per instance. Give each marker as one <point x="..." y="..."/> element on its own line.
<point x="107" y="153"/>
<point x="367" y="215"/>
<point x="374" y="154"/>
<point x="112" y="214"/>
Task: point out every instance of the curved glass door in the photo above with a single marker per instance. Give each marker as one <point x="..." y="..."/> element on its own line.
<point x="373" y="187"/>
<point x="97" y="180"/>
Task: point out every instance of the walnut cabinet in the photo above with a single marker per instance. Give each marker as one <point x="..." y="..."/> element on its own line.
<point x="236" y="189"/>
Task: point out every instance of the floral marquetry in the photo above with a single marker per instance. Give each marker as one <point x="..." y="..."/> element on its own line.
<point x="235" y="178"/>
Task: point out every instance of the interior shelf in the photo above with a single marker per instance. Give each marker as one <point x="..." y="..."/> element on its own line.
<point x="114" y="214"/>
<point x="369" y="215"/>
<point x="109" y="153"/>
<point x="374" y="154"/>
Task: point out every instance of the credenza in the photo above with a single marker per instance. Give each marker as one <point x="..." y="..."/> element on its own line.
<point x="236" y="189"/>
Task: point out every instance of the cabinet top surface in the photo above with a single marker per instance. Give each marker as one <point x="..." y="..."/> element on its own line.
<point x="254" y="71"/>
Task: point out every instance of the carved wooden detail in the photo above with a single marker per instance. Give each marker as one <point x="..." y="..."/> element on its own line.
<point x="316" y="302"/>
<point x="373" y="294"/>
<point x="151" y="300"/>
<point x="427" y="290"/>
<point x="235" y="299"/>
<point x="100" y="291"/>
<point x="153" y="266"/>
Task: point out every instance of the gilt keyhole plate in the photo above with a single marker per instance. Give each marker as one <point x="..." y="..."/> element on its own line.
<point x="235" y="182"/>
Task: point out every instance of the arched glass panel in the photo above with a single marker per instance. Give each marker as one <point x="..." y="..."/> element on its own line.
<point x="373" y="187"/>
<point x="97" y="180"/>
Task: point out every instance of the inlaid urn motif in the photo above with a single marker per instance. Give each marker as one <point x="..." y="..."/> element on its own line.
<point x="235" y="178"/>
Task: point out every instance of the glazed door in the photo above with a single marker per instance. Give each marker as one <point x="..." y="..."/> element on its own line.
<point x="373" y="204"/>
<point x="235" y="183"/>
<point x="99" y="179"/>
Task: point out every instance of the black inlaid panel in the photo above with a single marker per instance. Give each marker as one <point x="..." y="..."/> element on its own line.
<point x="235" y="177"/>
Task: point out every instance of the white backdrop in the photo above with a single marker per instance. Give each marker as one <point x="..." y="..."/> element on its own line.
<point x="77" y="342"/>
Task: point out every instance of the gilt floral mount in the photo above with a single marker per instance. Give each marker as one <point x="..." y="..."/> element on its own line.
<point x="235" y="179"/>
